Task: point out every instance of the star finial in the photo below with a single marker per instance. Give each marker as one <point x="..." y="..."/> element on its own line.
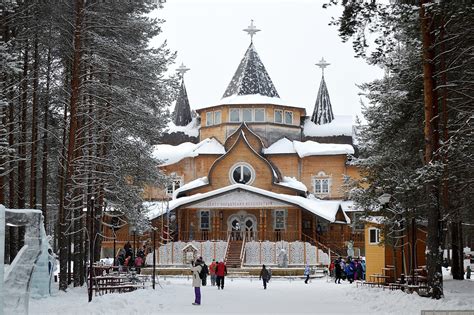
<point x="182" y="70"/>
<point x="322" y="64"/>
<point x="251" y="30"/>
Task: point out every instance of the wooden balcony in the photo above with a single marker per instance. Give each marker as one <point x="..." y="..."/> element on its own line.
<point x="273" y="236"/>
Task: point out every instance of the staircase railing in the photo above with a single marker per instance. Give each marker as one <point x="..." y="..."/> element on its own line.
<point x="330" y="251"/>
<point x="242" y="250"/>
<point x="228" y="247"/>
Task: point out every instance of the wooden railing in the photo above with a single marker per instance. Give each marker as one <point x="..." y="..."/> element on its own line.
<point x="273" y="236"/>
<point x="242" y="251"/>
<point x="334" y="252"/>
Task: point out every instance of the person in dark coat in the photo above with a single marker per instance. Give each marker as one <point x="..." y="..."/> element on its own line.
<point x="338" y="271"/>
<point x="205" y="271"/>
<point x="265" y="276"/>
<point x="221" y="273"/>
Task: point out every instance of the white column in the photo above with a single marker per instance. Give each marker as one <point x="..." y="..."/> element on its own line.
<point x="2" y="254"/>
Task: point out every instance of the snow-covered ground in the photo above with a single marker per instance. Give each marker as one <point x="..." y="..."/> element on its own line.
<point x="245" y="296"/>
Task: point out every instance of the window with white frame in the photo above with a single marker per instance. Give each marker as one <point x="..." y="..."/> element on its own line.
<point x="174" y="184"/>
<point x="205" y="220"/>
<point x="278" y="116"/>
<point x="374" y="236"/>
<point x="234" y="115"/>
<point x="288" y="117"/>
<point x="209" y="118"/>
<point x="217" y="117"/>
<point x="242" y="173"/>
<point x="321" y="184"/>
<point x="280" y="219"/>
<point x="247" y="114"/>
<point x="259" y="114"/>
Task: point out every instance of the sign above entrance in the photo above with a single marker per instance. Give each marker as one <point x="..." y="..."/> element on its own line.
<point x="238" y="199"/>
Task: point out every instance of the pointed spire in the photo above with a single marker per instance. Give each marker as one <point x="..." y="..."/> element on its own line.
<point x="251" y="77"/>
<point x="322" y="113"/>
<point x="182" y="110"/>
<point x="251" y="30"/>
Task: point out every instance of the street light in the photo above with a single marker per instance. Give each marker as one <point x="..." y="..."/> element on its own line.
<point x="154" y="255"/>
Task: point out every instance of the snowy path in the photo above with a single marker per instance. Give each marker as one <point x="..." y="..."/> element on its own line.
<point x="248" y="297"/>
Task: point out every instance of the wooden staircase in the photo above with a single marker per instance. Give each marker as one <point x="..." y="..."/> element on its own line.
<point x="233" y="255"/>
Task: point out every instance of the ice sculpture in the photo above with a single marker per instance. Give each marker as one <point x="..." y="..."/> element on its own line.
<point x="17" y="279"/>
<point x="43" y="272"/>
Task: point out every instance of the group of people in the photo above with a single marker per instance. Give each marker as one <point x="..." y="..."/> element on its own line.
<point x="347" y="269"/>
<point x="200" y="271"/>
<point x="125" y="258"/>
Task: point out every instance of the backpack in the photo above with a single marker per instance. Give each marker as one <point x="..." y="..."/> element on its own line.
<point x="204" y="271"/>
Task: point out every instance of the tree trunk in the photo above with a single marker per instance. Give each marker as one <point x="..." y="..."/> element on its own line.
<point x="75" y="85"/>
<point x="434" y="255"/>
<point x="457" y="264"/>
<point x="44" y="162"/>
<point x="34" y="127"/>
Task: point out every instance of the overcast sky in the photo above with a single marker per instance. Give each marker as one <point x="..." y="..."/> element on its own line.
<point x="208" y="36"/>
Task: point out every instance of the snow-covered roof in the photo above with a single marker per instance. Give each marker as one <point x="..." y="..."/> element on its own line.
<point x="155" y="208"/>
<point x="191" y="185"/>
<point x="373" y="219"/>
<point x="191" y="129"/>
<point x="170" y="154"/>
<point x="293" y="183"/>
<point x="326" y="209"/>
<point x="308" y="148"/>
<point x="349" y="206"/>
<point x="282" y="146"/>
<point x="251" y="77"/>
<point x="341" y="125"/>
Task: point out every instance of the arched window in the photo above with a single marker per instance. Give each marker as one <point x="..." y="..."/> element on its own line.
<point x="321" y="184"/>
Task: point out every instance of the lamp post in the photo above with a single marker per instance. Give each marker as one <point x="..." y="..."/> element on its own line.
<point x="91" y="246"/>
<point x="134" y="230"/>
<point x="154" y="256"/>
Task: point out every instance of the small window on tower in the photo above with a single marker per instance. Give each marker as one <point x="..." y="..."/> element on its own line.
<point x="278" y="116"/>
<point x="288" y="118"/>
<point x="247" y="114"/>
<point x="259" y="114"/>
<point x="217" y="117"/>
<point x="234" y="115"/>
<point x="209" y="118"/>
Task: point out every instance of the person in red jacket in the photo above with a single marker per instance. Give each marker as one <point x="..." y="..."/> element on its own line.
<point x="221" y="273"/>
<point x="212" y="272"/>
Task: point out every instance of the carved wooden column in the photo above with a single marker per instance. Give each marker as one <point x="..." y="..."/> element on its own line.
<point x="218" y="224"/>
<point x="313" y="227"/>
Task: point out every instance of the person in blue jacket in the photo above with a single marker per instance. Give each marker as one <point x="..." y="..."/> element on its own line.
<point x="307" y="272"/>
<point x="350" y="271"/>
